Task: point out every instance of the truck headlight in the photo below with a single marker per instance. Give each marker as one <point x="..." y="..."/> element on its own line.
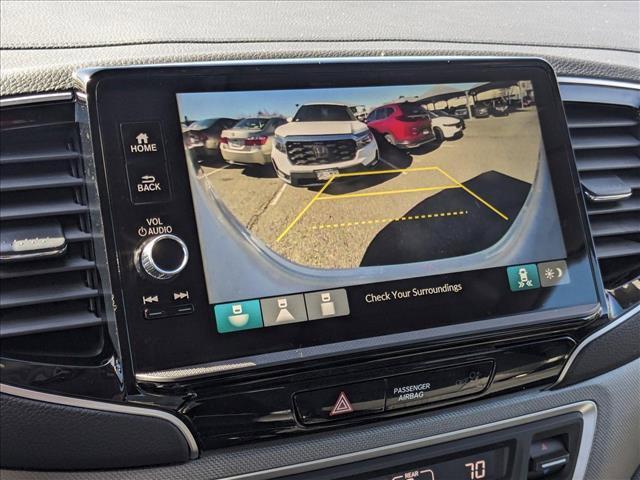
<point x="279" y="143"/>
<point x="363" y="139"/>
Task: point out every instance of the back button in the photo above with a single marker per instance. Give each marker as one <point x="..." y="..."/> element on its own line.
<point x="148" y="182"/>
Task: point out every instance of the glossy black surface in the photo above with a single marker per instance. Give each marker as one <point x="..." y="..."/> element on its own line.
<point x="148" y="95"/>
<point x="230" y="411"/>
<point x="101" y="381"/>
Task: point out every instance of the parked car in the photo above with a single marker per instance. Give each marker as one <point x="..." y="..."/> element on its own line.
<point x="321" y="140"/>
<point x="405" y="125"/>
<point x="480" y="110"/>
<point x="461" y="111"/>
<point x="445" y="126"/>
<point x="499" y="108"/>
<point x="360" y="112"/>
<point x="249" y="142"/>
<point x="202" y="137"/>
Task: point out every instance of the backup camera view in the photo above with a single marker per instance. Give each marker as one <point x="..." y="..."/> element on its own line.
<point x="351" y="177"/>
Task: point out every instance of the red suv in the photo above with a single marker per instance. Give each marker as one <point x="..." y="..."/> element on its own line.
<point x="404" y="125"/>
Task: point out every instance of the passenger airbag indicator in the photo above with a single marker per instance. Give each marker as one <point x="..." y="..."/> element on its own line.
<point x="434" y="385"/>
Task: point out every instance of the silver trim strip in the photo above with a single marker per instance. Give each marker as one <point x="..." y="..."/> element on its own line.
<point x="620" y="320"/>
<point x="599" y="82"/>
<point x="588" y="410"/>
<point x="10" y="257"/>
<point x="37" y="98"/>
<point x="554" y="463"/>
<point x="607" y="198"/>
<point x="105" y="407"/>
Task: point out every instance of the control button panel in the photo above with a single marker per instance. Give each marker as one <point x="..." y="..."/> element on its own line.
<point x="532" y="276"/>
<point x="435" y="385"/>
<point x="146" y="162"/>
<point x="392" y="393"/>
<point x="276" y="311"/>
<point x="339" y="402"/>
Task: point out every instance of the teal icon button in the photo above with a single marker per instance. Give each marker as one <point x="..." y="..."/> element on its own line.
<point x="232" y="317"/>
<point x="523" y="277"/>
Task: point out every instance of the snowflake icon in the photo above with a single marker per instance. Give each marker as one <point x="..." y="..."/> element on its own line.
<point x="549" y="274"/>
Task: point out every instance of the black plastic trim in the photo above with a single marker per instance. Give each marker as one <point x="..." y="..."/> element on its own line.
<point x="46" y="436"/>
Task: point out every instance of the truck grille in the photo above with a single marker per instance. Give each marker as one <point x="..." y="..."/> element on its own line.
<point x="322" y="152"/>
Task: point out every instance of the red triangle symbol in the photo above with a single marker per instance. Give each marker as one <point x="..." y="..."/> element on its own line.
<point x="343" y="405"/>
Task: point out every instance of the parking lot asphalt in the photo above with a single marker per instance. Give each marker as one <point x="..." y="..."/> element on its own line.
<point x="333" y="226"/>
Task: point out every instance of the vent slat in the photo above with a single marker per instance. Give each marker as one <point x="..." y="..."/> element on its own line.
<point x="19" y="322"/>
<point x="58" y="265"/>
<point x="41" y="209"/>
<point x="628" y="205"/>
<point x="608" y="248"/>
<point x="35" y="292"/>
<point x="74" y="234"/>
<point x="38" y="156"/>
<point x="597" y="161"/>
<point x="603" y="225"/>
<point x="36" y="181"/>
<point x="632" y="179"/>
<point x="599" y="116"/>
<point x="587" y="139"/>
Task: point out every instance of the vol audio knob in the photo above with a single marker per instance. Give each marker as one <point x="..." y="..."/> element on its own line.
<point x="163" y="257"/>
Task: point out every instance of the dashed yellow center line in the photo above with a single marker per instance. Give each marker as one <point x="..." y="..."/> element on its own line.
<point x="377" y="221"/>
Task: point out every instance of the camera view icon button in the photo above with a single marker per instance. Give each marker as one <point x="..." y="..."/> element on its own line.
<point x="327" y="303"/>
<point x="231" y="317"/>
<point x="281" y="310"/>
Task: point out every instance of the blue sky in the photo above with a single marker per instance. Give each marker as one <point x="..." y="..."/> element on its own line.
<point x="246" y="104"/>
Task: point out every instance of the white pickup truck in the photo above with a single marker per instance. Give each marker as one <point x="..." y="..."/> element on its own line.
<point x="321" y="140"/>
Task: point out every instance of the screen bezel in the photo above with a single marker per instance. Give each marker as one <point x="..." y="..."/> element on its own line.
<point x="156" y="88"/>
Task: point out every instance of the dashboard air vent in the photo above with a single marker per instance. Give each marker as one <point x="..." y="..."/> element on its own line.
<point x="49" y="300"/>
<point x="606" y="142"/>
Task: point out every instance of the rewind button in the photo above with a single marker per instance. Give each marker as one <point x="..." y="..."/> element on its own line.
<point x="150" y="299"/>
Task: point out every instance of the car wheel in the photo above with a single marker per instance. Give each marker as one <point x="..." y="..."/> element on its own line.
<point x="439" y="134"/>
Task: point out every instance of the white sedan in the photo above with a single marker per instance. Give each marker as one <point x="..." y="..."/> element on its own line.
<point x="446" y="126"/>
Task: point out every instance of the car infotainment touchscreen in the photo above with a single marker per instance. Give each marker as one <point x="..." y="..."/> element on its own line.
<point x="335" y="212"/>
<point x="349" y="178"/>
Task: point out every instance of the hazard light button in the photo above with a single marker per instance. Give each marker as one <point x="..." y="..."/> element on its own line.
<point x="340" y="402"/>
